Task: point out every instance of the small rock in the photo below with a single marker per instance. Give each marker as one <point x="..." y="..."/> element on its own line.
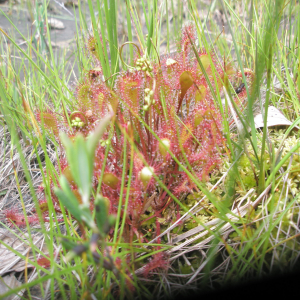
<point x="70" y="3"/>
<point x="56" y="24"/>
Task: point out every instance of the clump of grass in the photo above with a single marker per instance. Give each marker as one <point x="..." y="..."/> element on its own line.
<point x="165" y="116"/>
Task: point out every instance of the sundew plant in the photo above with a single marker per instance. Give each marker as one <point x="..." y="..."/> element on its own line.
<point x="166" y="134"/>
<point x="158" y="176"/>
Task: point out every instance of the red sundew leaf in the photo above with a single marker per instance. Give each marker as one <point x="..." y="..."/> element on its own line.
<point x="230" y="69"/>
<point x="171" y="68"/>
<point x="84" y="94"/>
<point x="92" y="46"/>
<point x="171" y="65"/>
<point x="248" y="73"/>
<point x="214" y="131"/>
<point x="157" y="262"/>
<point x="50" y="121"/>
<point x="186" y="133"/>
<point x="100" y="101"/>
<point x="138" y="163"/>
<point x="208" y="114"/>
<point x="188" y="35"/>
<point x="130" y="90"/>
<point x="15" y="218"/>
<point x="43" y="262"/>
<point x="182" y="188"/>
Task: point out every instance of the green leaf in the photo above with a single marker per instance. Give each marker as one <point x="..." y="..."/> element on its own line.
<point x="83" y="166"/>
<point x="80" y="212"/>
<point x="86" y="216"/>
<point x="67" y="198"/>
<point x="101" y="208"/>
<point x="68" y="245"/>
<point x="80" y="163"/>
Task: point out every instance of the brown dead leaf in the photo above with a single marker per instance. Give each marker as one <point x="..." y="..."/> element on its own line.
<point x="275" y="118"/>
<point x="7" y="283"/>
<point x="9" y="261"/>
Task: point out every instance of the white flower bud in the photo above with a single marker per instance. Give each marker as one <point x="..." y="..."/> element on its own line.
<point x="146" y="175"/>
<point x="165" y="143"/>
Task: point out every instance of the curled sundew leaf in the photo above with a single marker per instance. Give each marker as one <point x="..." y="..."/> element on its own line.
<point x="111" y="180"/>
<point x="186" y="81"/>
<point x="121" y="50"/>
<point x="79" y="115"/>
<point x="78" y="119"/>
